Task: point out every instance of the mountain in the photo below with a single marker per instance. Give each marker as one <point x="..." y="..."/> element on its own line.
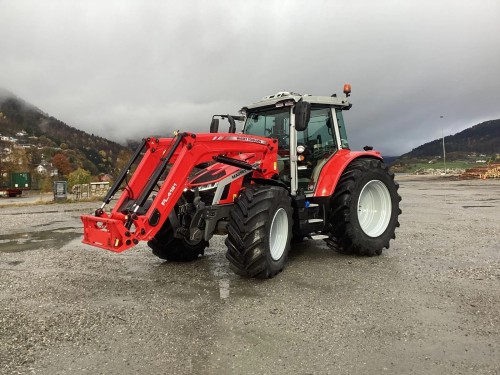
<point x="483" y="138"/>
<point x="24" y="127"/>
<point x="389" y="160"/>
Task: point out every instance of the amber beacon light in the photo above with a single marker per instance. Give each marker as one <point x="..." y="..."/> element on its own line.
<point x="347" y="89"/>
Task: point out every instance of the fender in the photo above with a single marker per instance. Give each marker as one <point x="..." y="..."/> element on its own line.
<point x="333" y="169"/>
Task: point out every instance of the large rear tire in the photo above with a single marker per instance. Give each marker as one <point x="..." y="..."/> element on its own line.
<point x="259" y="231"/>
<point x="364" y="208"/>
<point x="167" y="247"/>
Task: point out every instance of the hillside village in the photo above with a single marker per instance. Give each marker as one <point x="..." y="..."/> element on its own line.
<point x="45" y="162"/>
<point x="26" y="142"/>
<point x="33" y="142"/>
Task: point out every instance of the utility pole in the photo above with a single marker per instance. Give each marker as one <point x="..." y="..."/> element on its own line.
<point x="444" y="150"/>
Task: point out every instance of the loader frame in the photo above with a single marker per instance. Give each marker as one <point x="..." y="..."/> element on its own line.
<point x="141" y="210"/>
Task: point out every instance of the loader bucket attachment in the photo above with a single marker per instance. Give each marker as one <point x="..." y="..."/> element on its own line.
<point x="106" y="233"/>
<point x="164" y="167"/>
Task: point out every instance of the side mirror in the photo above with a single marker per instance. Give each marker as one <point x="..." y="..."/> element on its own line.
<point x="214" y="125"/>
<point x="302" y="115"/>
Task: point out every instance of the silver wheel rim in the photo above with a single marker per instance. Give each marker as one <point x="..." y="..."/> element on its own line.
<point x="278" y="234"/>
<point x="374" y="208"/>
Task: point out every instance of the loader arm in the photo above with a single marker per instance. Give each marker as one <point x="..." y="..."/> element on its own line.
<point x="140" y="211"/>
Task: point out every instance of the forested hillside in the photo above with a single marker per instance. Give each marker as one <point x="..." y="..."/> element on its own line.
<point x="29" y="137"/>
<point x="476" y="146"/>
<point x="483" y="138"/>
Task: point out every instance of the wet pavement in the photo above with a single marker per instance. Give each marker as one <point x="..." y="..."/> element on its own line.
<point x="26" y="198"/>
<point x="428" y="305"/>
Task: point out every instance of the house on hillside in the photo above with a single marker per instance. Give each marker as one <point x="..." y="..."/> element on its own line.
<point x="45" y="168"/>
<point x="104" y="177"/>
<point x="4" y="154"/>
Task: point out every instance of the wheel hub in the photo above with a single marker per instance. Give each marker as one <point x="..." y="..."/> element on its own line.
<point x="278" y="234"/>
<point x="374" y="208"/>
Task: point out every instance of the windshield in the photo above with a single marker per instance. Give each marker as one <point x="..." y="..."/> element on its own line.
<point x="274" y="123"/>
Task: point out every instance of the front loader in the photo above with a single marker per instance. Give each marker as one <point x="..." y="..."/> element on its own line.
<point x="288" y="176"/>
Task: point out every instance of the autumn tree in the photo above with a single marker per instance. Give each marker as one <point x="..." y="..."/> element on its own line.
<point x="79" y="176"/>
<point x="121" y="161"/>
<point x="61" y="162"/>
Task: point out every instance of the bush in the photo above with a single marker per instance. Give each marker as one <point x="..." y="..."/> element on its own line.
<point x="47" y="184"/>
<point x="79" y="176"/>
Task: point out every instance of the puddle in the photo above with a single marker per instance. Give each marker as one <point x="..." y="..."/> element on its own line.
<point x="15" y="262"/>
<point x="79" y="210"/>
<point x="476" y="206"/>
<point x="13" y="243"/>
<point x="223" y="288"/>
<point x="218" y="268"/>
<point x="45" y="224"/>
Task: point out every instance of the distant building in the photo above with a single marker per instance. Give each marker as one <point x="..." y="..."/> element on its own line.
<point x="105" y="178"/>
<point x="45" y="168"/>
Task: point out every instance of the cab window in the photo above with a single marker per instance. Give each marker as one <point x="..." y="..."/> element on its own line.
<point x="343" y="133"/>
<point x="319" y="141"/>
<point x="271" y="124"/>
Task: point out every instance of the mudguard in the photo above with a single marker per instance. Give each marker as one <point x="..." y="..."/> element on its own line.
<point x="333" y="169"/>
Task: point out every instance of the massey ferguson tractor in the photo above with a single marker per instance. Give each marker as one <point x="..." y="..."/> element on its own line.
<point x="289" y="175"/>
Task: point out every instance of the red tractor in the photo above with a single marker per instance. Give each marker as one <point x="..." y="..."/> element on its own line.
<point x="289" y="175"/>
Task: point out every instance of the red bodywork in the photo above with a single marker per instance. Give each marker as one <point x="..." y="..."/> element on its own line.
<point x="334" y="168"/>
<point x="129" y="222"/>
<point x="122" y="229"/>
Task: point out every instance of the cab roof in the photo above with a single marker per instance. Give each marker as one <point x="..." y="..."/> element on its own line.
<point x="271" y="100"/>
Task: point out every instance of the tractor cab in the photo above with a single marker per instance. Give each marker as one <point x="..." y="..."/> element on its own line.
<point x="309" y="130"/>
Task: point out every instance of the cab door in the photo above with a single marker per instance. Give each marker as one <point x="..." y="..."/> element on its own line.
<point x="320" y="141"/>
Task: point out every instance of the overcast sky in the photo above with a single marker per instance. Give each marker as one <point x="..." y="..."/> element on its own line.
<point x="127" y="69"/>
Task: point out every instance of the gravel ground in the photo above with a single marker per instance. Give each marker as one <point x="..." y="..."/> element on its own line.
<point x="428" y="305"/>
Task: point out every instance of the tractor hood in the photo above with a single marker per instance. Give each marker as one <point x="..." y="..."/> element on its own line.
<point x="219" y="183"/>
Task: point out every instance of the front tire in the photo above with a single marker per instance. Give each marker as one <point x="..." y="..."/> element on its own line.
<point x="364" y="208"/>
<point x="166" y="246"/>
<point x="259" y="231"/>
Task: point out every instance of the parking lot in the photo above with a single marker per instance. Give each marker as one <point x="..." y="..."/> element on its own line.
<point x="428" y="305"/>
